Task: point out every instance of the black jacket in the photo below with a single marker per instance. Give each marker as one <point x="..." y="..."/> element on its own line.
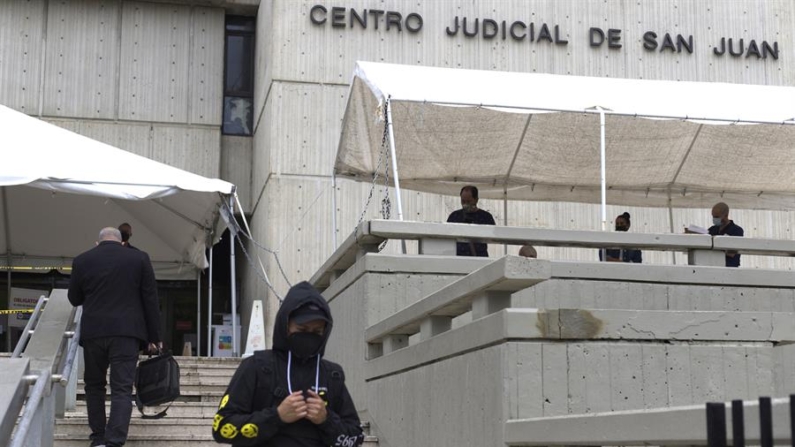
<point x="117" y="289"/>
<point x="248" y="416"/>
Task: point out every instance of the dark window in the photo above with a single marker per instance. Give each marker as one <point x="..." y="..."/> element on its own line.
<point x="239" y="76"/>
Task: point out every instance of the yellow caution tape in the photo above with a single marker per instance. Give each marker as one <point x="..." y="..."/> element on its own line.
<point x="28" y="268"/>
<point x="15" y="311"/>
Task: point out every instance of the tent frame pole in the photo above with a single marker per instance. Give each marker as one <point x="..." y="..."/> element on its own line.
<point x="391" y="133"/>
<point x="603" y="167"/>
<point x="210" y="307"/>
<point x="198" y="312"/>
<point x="334" y="209"/>
<point x="505" y="212"/>
<point x="233" y="282"/>
<point x="9" y="265"/>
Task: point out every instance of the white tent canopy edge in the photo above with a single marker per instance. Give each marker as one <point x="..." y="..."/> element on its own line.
<point x="59" y="188"/>
<point x="495" y="130"/>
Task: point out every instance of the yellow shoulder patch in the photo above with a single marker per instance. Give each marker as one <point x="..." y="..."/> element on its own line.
<point x="228" y="431"/>
<point x="224" y="401"/>
<point x="249" y="431"/>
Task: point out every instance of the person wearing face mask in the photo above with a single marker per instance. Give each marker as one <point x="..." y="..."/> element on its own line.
<point x="621" y="254"/>
<point x="471" y="214"/>
<point x="290" y="396"/>
<point x="722" y="226"/>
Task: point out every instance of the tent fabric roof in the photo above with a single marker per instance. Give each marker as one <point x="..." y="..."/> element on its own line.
<point x="683" y="144"/>
<point x="58" y="189"/>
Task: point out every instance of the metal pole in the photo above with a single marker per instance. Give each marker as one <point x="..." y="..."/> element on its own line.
<point x="765" y="422"/>
<point x="671" y="224"/>
<point x="505" y="212"/>
<point x="394" y="166"/>
<point x="716" y="424"/>
<point x="334" y="209"/>
<point x="235" y="351"/>
<point x="210" y="307"/>
<point x="8" y="325"/>
<point x="738" y="424"/>
<point x="198" y="312"/>
<point x="603" y="167"/>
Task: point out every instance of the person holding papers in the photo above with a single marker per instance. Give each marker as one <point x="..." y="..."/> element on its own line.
<point x="723" y="226"/>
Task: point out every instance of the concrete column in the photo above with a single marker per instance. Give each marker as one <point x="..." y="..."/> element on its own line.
<point x="490" y="302"/>
<point x="364" y="249"/>
<point x="394" y="342"/>
<point x="374" y="350"/>
<point x="441" y="247"/>
<point x="434" y="326"/>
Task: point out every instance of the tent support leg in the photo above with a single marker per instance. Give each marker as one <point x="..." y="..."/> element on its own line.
<point x="210" y="307"/>
<point x="235" y="341"/>
<point x="198" y="312"/>
<point x="505" y="212"/>
<point x="9" y="348"/>
<point x="603" y="163"/>
<point x="334" y="210"/>
<point x="671" y="223"/>
<point x="394" y="166"/>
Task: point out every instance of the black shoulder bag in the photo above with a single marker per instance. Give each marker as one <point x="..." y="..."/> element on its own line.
<point x="156" y="383"/>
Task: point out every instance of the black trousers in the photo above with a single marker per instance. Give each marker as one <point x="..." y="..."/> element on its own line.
<point x="121" y="354"/>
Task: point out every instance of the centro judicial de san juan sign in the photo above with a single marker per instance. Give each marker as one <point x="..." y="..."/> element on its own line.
<point x="538" y="33"/>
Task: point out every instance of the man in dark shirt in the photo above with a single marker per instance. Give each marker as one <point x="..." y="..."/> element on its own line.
<point x="470" y="213"/>
<point x="722" y="226"/>
<point x="126" y="234"/>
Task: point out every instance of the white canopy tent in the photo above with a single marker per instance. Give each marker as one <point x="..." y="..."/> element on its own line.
<point x="659" y="143"/>
<point x="58" y="189"/>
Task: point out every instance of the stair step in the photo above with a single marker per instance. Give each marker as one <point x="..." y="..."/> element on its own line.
<point x="164" y="441"/>
<point x="188" y="384"/>
<point x="142" y="427"/>
<point x="177" y="410"/>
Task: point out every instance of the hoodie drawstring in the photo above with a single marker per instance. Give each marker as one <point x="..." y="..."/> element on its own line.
<point x="289" y="367"/>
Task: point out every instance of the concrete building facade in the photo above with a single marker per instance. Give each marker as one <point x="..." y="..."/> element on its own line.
<point x="149" y="77"/>
<point x="306" y="51"/>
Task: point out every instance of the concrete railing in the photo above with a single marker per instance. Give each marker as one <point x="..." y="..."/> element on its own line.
<point x="685" y="425"/>
<point x="439" y="239"/>
<point x="444" y="350"/>
<point x="487" y="294"/>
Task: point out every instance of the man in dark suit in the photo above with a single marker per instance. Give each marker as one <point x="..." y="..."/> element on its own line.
<point x="117" y="289"/>
<point x="126" y="234"/>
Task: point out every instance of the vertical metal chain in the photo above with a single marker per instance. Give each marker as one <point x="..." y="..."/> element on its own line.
<point x="384" y="152"/>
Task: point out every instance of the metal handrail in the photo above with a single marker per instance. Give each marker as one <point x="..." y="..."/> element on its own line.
<point x="28" y="327"/>
<point x="71" y="353"/>
<point x="45" y="381"/>
<point x="31" y="406"/>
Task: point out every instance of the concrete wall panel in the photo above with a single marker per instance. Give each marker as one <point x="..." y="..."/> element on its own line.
<point x="297" y="59"/>
<point x="236" y="155"/>
<point x="264" y="59"/>
<point x="206" y="77"/>
<point x="306" y="145"/>
<point x="22" y="26"/>
<point x="135" y="138"/>
<point x="82" y="59"/>
<point x="155" y="49"/>
<point x="197" y="150"/>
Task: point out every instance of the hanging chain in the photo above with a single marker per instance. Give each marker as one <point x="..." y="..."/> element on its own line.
<point x="383" y="153"/>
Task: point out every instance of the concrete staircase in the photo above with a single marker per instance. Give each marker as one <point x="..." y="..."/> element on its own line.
<point x="189" y="419"/>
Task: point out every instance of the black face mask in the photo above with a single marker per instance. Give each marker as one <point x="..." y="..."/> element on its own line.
<point x="304" y="344"/>
<point x="621" y="228"/>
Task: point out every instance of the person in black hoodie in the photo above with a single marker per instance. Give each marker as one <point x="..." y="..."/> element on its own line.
<point x="290" y="396"/>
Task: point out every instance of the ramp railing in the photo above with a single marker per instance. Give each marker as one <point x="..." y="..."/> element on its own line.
<point x="39" y="380"/>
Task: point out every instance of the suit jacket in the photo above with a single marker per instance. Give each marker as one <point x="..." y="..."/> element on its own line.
<point x="117" y="289"/>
